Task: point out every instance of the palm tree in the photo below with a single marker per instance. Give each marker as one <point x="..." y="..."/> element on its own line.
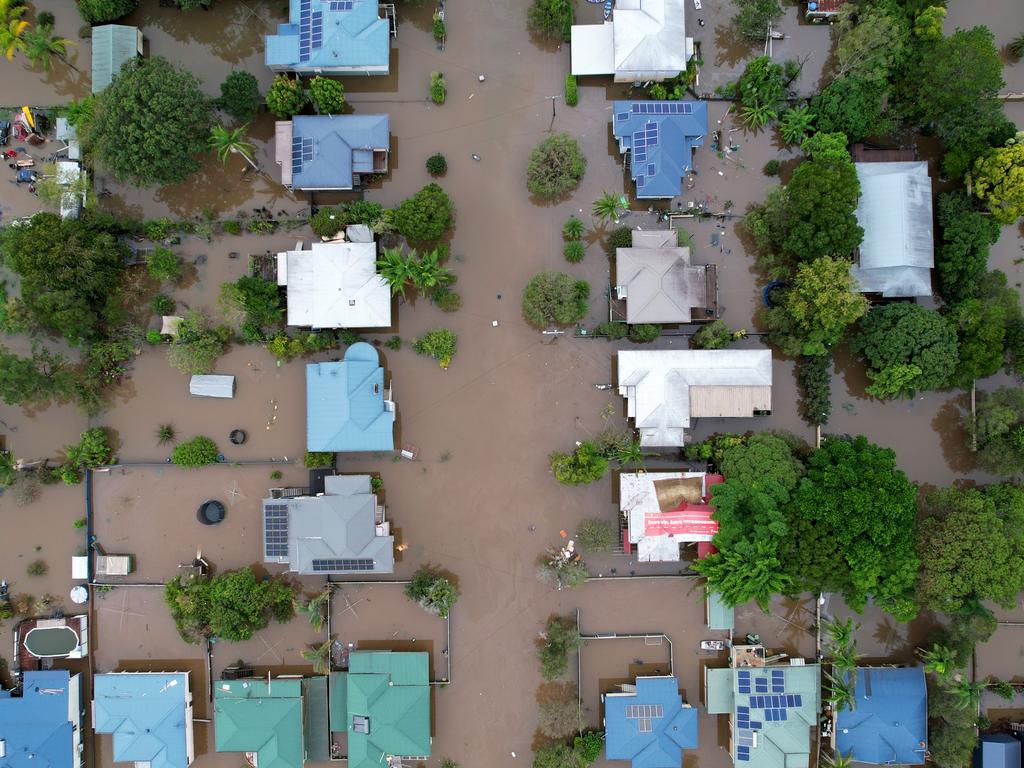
<point x="966" y="694"/>
<point x="939" y="660"/>
<point x="11" y="28"/>
<point x="428" y="272"/>
<point x="226" y="142"/>
<point x="844" y="657"/>
<point x="608" y="206"/>
<point x="313" y="609"/>
<point x="840" y="633"/>
<point x="795" y="124"/>
<point x="397" y="269"/>
<point x="840" y="691"/>
<point x="319" y="657"/>
<point x="757" y="116"/>
<point x="839" y="760"/>
<point x="41" y="45"/>
<point x="8" y="468"/>
<point x="630" y="453"/>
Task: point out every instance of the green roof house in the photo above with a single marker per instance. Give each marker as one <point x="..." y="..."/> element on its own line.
<point x="382" y="704"/>
<point x="112" y="46"/>
<point x="282" y="721"/>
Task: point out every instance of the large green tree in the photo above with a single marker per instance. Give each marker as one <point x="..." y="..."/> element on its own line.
<point x="761" y="458"/>
<point x="555" y="167"/>
<point x="962" y="256"/>
<point x="998" y="178"/>
<point x="150" y="123"/>
<point x="425" y="216"/>
<point x="981" y="329"/>
<point x="872" y="41"/>
<point x="999" y="431"/>
<point x="821" y="199"/>
<point x="555" y="298"/>
<point x="852" y="105"/>
<point x="753" y="17"/>
<point x="33" y="379"/>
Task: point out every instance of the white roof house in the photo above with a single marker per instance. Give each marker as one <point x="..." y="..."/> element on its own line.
<point x="895" y="210"/>
<point x="665" y="389"/>
<point x="645" y="40"/>
<point x="335" y="285"/>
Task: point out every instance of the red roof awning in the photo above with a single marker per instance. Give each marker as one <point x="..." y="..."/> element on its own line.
<point x="690" y="522"/>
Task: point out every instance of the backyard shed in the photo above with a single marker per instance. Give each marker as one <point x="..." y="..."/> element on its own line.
<point x="212" y="385"/>
<point x="997" y="750"/>
<point x="112" y="46"/>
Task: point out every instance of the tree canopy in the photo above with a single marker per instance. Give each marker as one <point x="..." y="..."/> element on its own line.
<point x="998" y="178"/>
<point x="853" y="106"/>
<point x="556" y="166"/>
<point x="753" y="17"/>
<point x="584" y="465"/>
<point x="425" y="216"/>
<point x="821" y="199"/>
<point x="999" y="430"/>
<point x="962" y="256"/>
<point x="872" y="41"/>
<point x="762" y="458"/>
<point x="555" y="298"/>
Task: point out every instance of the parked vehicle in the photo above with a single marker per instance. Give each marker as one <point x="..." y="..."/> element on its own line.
<point x="5" y="132"/>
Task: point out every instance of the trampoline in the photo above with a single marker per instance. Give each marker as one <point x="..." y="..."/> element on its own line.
<point x="210" y="512"/>
<point x="51" y="642"/>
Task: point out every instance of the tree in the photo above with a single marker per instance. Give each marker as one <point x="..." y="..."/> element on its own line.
<point x="438" y="344"/>
<point x="240" y="96"/>
<point x="852" y="106"/>
<point x="826" y="146"/>
<point x="962" y="256"/>
<point x="939" y="661"/>
<point x="821" y="200"/>
<point x="928" y="23"/>
<point x="41" y="46"/>
<point x="556" y="166"/>
<point x="585" y="464"/>
<point x="754" y="16"/>
<point x="285" y="98"/>
<point x="150" y="123"/>
<point x="872" y="41"/>
<point x="900" y="337"/>
<point x="814" y="379"/>
<point x="561" y="569"/>
<point x="196" y="346"/>
<point x="319" y="656"/>
<point x="255" y="304"/>
<point x="559" y="717"/>
<point x="980" y="327"/>
<point x="550" y="18"/>
<point x="554" y="298"/>
<point x="589" y="746"/>
<point x="998" y="178"/>
<point x="12" y="27"/>
<point x="714" y="335"/>
<point x="761" y="92"/>
<point x="557" y="756"/>
<point x="438" y="88"/>
<point x="397" y="269"/>
<point x="163" y="265"/>
<point x="328" y="95"/>
<point x="750" y="570"/>
<point x="231" y="141"/>
<point x="433" y="591"/>
<point x="91" y="451"/>
<point x="561" y="637"/>
<point x="429" y="270"/>
<point x="425" y="216"/>
<point x="608" y="207"/>
<point x="105" y="11"/>
<point x="597" y="536"/>
<point x="195" y="453"/>
<point x="437" y="165"/>
<point x="999" y="431"/>
<point x="32" y="379"/>
<point x="764" y="457"/>
<point x="795" y="124"/>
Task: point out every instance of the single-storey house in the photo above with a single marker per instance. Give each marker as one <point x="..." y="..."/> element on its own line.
<point x="342" y="530"/>
<point x="644" y="40"/>
<point x="888" y="724"/>
<point x="335" y="285"/>
<point x="331" y="152"/>
<point x="819" y="11"/>
<point x="348" y="408"/>
<point x="649" y="724"/>
<point x="660" y="137"/>
<point x="666" y="389"/>
<point x="382" y="705"/>
<point x="897" y="254"/>
<point x="659" y="284"/>
<point x="997" y="750"/>
<point x="149" y="715"/>
<point x="42" y="726"/>
<point x="331" y="37"/>
<point x="112" y="46"/>
<point x="665" y="510"/>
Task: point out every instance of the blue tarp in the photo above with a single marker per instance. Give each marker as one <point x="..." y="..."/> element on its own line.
<point x="635" y="731"/>
<point x="890" y="721"/>
<point x="660" y="137"/>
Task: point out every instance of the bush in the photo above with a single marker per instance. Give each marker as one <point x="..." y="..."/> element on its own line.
<point x="37" y="568"/>
<point x="395" y="343"/>
<point x="328" y="95"/>
<point x="585" y="464"/>
<point x="433" y="591"/>
<point x="555" y="298"/>
<point x="425" y="216"/>
<point x="612" y="330"/>
<point x="771" y="168"/>
<point x="714" y="335"/>
<point x="328" y="221"/>
<point x="105" y="11"/>
<point x="561" y="637"/>
<point x="195" y="453"/>
<point x="319" y="459"/>
<point x="644" y="333"/>
<point x="92" y="450"/>
<point x="240" y="96"/>
<point x="438" y="344"/>
<point x="556" y="166"/>
<point x="438" y="27"/>
<point x="572" y="229"/>
<point x="559" y="718"/>
<point x="438" y="88"/>
<point x="437" y="165"/>
<point x="163" y="265"/>
<point x="573" y="251"/>
<point x="231" y="227"/>
<point x="557" y="756"/>
<point x="161" y="304"/>
<point x="588" y="746"/>
<point x="196" y="347"/>
<point x="620" y="237"/>
<point x="445" y="299"/>
<point x="550" y="18"/>
<point x="153" y="336"/>
<point x="814" y="378"/>
<point x="597" y="536"/>
<point x="572" y="94"/>
<point x="285" y="97"/>
<point x="363" y="212"/>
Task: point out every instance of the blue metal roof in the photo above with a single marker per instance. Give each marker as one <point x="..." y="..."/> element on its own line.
<point x="997" y="750"/>
<point x="35" y="726"/>
<point x="650" y="727"/>
<point x="889" y="723"/>
<point x="331" y="35"/>
<point x="345" y="408"/>
<point x="660" y="137"/>
<point x="327" y="149"/>
<point x="147" y="714"/>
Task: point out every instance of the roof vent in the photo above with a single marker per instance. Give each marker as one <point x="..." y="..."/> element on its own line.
<point x="360" y="724"/>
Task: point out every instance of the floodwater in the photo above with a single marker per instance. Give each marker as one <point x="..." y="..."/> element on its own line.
<point x="480" y="501"/>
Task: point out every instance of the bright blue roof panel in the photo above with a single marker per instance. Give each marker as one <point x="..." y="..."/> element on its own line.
<point x="326" y="35"/>
<point x="327" y="149"/>
<point x="651" y="727"/>
<point x="660" y="135"/>
<point x="890" y="721"/>
<point x="997" y="750"/>
<point x="146" y="713"/>
<point x="35" y="726"/>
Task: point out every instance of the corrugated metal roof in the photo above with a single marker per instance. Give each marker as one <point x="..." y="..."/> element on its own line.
<point x="257" y="716"/>
<point x="327" y="159"/>
<point x="650" y="727"/>
<point x="889" y="723"/>
<point x="720" y="615"/>
<point x="353" y="40"/>
<point x="149" y="715"/>
<point x="647" y="41"/>
<point x="997" y="750"/>
<point x="336" y="285"/>
<point x="211" y="385"/>
<point x="661" y="284"/>
<point x="315" y="720"/>
<point x="112" y="46"/>
<point x="660" y="137"/>
<point x="37" y="721"/>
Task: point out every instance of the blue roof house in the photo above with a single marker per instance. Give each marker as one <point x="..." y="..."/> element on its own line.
<point x="660" y="137"/>
<point x="348" y="407"/>
<point x="331" y="152"/>
<point x="997" y="750"/>
<point x="331" y="37"/>
<point x="889" y="724"/>
<point x="650" y="725"/>
<point x="149" y="714"/>
<point x="42" y="728"/>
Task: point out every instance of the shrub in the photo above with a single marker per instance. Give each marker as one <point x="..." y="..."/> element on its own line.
<point x="555" y="298"/>
<point x="573" y="251"/>
<point x="771" y="168"/>
<point x="714" y="335"/>
<point x="92" y="449"/>
<point x="80" y="523"/>
<point x="588" y="746"/>
<point x="438" y="27"/>
<point x="37" y="568"/>
<point x="572" y="94"/>
<point x="814" y="378"/>
<point x="584" y="465"/>
<point x="561" y="637"/>
<point x="376" y="484"/>
<point x="438" y="88"/>
<point x="556" y="166"/>
<point x="612" y="330"/>
<point x="328" y="221"/>
<point x="425" y="216"/>
<point x="196" y="347"/>
<point x="164" y="434"/>
<point x="620" y="237"/>
<point x="153" y="336"/>
<point x="161" y="304"/>
<point x="556" y="756"/>
<point x="437" y="165"/>
<point x="395" y="342"/>
<point x="195" y="453"/>
<point x="644" y="333"/>
<point x="559" y="718"/>
<point x="285" y="97"/>
<point x="597" y="536"/>
<point x="231" y="227"/>
<point x="163" y="265"/>
<point x="240" y="96"/>
<point x="445" y="299"/>
<point x="319" y="459"/>
<point x="328" y="95"/>
<point x="105" y="11"/>
<point x="1016" y="47"/>
<point x="364" y="212"/>
<point x="572" y="229"/>
<point x="438" y="344"/>
<point x="433" y="591"/>
<point x="550" y="18"/>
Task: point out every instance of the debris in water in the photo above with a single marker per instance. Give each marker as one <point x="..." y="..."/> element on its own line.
<point x="481" y="78"/>
<point x="475" y="157"/>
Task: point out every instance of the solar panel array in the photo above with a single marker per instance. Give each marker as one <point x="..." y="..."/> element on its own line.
<point x="342" y="5"/>
<point x="302" y="152"/>
<point x="645" y="139"/>
<point x="644" y="714"/>
<point x="275" y="530"/>
<point x="311" y="29"/>
<point x="342" y="564"/>
<point x="767" y="692"/>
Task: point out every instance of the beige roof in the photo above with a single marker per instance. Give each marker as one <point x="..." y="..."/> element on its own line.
<point x="735" y="402"/>
<point x="283" y="149"/>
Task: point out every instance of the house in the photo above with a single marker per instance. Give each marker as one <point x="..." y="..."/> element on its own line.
<point x="645" y="40"/>
<point x="665" y="510"/>
<point x="331" y="152"/>
<point x="341" y="531"/>
<point x="660" y="137"/>
<point x="649" y="724"/>
<point x="819" y="11"/>
<point x="332" y="37"/>
<point x="283" y="721"/>
<point x="382" y="705"/>
<point x="149" y="715"/>
<point x="112" y="46"/>
<point x="43" y="725"/>
<point x="997" y="750"/>
<point x="895" y="209"/>
<point x="335" y="285"/>
<point x="889" y="722"/>
<point x="659" y="284"/>
<point x="666" y="389"/>
<point x="771" y="708"/>
<point x="348" y="407"/>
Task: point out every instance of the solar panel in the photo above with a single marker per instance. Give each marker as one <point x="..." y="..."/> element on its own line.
<point x="342" y="5"/>
<point x="782" y="714"/>
<point x="743" y="674"/>
<point x="622" y="116"/>
<point x="275" y="530"/>
<point x="760" y="685"/>
<point x="641" y="180"/>
<point x="797" y="700"/>
<point x="305" y="30"/>
<point x="743" y="754"/>
<point x="755" y="725"/>
<point x="342" y="564"/>
<point x="742" y="710"/>
<point x="650" y="169"/>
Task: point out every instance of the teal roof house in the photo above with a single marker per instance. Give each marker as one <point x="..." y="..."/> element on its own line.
<point x="771" y="709"/>
<point x="112" y="46"/>
<point x="348" y="408"/>
<point x="649" y="724"/>
<point x="382" y="704"/>
<point x="331" y="37"/>
<point x="42" y="727"/>
<point x="149" y="715"/>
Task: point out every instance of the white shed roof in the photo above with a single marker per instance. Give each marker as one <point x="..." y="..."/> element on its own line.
<point x="593" y="49"/>
<point x="212" y="385"/>
<point x="648" y="41"/>
<point x="336" y="285"/>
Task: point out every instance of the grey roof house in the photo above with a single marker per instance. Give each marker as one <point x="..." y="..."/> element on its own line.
<point x="112" y="46"/>
<point x="341" y="531"/>
<point x="331" y="152"/>
<point x="895" y="209"/>
<point x="659" y="284"/>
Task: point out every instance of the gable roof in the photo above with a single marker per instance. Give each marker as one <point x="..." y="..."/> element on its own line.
<point x="660" y="137"/>
<point x="660" y="284"/>
<point x="895" y="210"/>
<point x="645" y="39"/>
<point x="336" y="285"/>
<point x="997" y="750"/>
<point x="112" y="46"/>
<point x="149" y="714"/>
<point x="340" y="36"/>
<point x="323" y="151"/>
<point x="889" y="723"/>
<point x="256" y="716"/>
<point x="649" y="726"/>
<point x="36" y="726"/>
<point x="345" y="406"/>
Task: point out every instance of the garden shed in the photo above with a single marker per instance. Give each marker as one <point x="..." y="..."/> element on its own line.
<point x="212" y="386"/>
